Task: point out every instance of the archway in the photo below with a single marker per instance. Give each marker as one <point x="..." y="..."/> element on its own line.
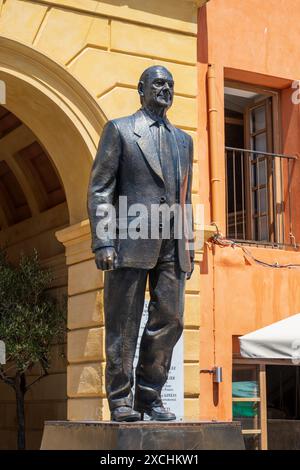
<point x="32" y="207"/>
<point x="59" y="111"/>
<point x="50" y="141"/>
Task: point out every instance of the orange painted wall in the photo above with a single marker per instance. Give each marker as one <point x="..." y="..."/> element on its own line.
<point x="255" y="41"/>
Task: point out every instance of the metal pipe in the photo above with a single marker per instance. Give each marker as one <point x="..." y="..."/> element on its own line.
<point x="215" y="180"/>
<point x="268" y="154"/>
<point x="234" y="194"/>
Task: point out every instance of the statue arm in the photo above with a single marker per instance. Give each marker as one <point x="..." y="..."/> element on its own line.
<point x="189" y="201"/>
<point x="189" y="187"/>
<point x="102" y="185"/>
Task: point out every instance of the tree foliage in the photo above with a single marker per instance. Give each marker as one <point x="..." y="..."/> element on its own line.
<point x="30" y="318"/>
<point x="31" y="321"/>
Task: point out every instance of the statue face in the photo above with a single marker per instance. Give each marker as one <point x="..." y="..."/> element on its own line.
<point x="157" y="89"/>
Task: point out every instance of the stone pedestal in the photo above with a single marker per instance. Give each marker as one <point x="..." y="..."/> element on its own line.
<point x="86" y="351"/>
<point x="151" y="435"/>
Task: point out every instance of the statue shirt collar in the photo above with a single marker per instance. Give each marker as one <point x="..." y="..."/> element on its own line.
<point x="153" y="119"/>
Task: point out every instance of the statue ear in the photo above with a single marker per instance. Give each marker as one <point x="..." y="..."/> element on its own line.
<point x="141" y="88"/>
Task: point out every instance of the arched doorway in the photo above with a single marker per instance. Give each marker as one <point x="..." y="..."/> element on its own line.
<point x="60" y="112"/>
<point x="49" y="130"/>
<point x="32" y="207"/>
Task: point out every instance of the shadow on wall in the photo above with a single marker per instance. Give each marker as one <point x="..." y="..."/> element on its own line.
<point x="177" y="9"/>
<point x="202" y="46"/>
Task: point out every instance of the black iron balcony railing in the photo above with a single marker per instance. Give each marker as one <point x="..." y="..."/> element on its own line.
<point x="258" y="196"/>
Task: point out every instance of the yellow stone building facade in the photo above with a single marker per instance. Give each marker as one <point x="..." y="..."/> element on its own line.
<point x="69" y="66"/>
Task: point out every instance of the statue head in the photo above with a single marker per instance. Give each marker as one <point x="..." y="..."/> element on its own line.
<point x="156" y="89"/>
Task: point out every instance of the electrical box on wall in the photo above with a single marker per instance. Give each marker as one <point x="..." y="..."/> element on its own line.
<point x="218" y="375"/>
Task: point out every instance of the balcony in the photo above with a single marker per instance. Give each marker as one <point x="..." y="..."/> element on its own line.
<point x="258" y="197"/>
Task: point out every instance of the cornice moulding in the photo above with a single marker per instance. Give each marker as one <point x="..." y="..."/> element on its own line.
<point x="199" y="3"/>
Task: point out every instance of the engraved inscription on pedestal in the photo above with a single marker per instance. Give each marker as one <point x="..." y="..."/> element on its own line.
<point x="173" y="391"/>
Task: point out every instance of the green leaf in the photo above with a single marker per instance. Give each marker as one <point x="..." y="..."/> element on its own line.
<point x="31" y="319"/>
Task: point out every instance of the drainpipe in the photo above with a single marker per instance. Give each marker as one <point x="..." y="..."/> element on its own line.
<point x="215" y="180"/>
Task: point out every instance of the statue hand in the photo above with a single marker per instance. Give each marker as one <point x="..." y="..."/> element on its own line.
<point x="106" y="258"/>
<point x="189" y="274"/>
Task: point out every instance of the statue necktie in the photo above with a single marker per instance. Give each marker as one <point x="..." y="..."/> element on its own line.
<point x="167" y="155"/>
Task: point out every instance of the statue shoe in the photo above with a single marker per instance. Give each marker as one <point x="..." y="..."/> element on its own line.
<point x="125" y="413"/>
<point x="157" y="413"/>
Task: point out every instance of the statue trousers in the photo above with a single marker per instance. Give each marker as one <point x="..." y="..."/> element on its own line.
<point x="124" y="294"/>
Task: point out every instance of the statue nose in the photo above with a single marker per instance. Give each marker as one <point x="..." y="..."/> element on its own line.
<point x="166" y="86"/>
<point x="164" y="90"/>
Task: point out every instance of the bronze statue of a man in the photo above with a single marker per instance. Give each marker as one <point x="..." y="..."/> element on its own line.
<point x="148" y="161"/>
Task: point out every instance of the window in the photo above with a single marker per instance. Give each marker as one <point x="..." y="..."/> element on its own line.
<point x="266" y="401"/>
<point x="283" y="392"/>
<point x="249" y="403"/>
<point x="255" y="196"/>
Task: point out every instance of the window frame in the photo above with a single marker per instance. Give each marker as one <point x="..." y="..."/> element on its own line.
<point x="277" y="233"/>
<point x="261" y="399"/>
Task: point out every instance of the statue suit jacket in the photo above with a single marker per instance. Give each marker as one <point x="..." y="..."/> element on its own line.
<point x="127" y="164"/>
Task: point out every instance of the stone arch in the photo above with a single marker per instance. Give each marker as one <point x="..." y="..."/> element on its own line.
<point x="67" y="121"/>
<point x="59" y="110"/>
